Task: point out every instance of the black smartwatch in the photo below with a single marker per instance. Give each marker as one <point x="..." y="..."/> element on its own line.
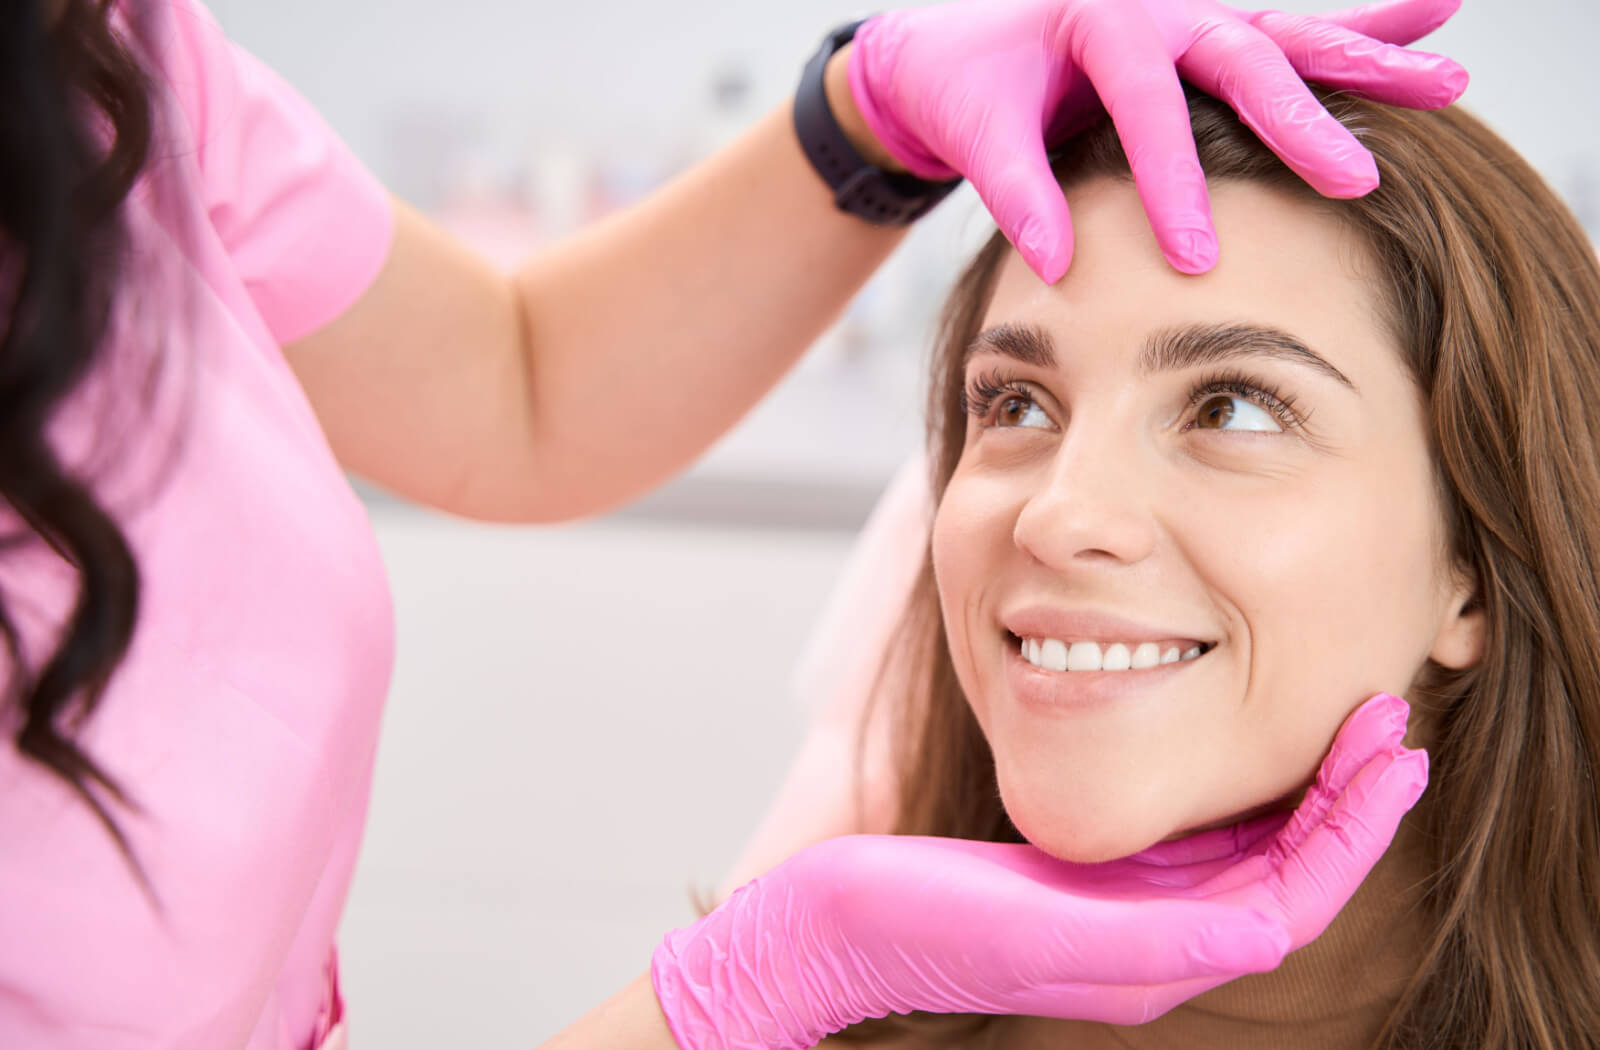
<point x="859" y="188"/>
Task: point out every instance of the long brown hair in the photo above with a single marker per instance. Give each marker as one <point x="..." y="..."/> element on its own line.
<point x="1493" y="292"/>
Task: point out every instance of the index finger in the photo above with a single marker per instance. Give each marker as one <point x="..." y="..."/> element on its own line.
<point x="1138" y="84"/>
<point x="1246" y="69"/>
<point x="1312" y="882"/>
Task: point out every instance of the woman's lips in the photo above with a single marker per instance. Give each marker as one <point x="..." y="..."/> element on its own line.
<point x="1071" y="625"/>
<point x="1040" y="686"/>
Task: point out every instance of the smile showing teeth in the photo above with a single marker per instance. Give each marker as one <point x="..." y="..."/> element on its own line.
<point x="1054" y="655"/>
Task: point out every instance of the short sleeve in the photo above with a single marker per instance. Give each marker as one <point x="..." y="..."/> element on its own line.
<point x="304" y="224"/>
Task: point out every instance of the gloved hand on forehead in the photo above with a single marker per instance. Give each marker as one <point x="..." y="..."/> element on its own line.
<point x="982" y="88"/>
<point x="866" y="925"/>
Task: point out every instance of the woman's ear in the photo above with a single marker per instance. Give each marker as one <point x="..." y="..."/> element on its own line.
<point x="1461" y="638"/>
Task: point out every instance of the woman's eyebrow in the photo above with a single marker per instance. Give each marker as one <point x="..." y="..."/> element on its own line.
<point x="1026" y="343"/>
<point x="1191" y="345"/>
<point x="1174" y="348"/>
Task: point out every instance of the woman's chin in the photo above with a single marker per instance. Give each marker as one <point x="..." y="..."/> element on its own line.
<point x="1091" y="818"/>
<point x="1089" y="841"/>
<point x="1080" y="838"/>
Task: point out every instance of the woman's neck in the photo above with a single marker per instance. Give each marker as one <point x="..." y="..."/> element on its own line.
<point x="1334" y="994"/>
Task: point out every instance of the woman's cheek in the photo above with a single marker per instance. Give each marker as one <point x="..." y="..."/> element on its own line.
<point x="956" y="545"/>
<point x="972" y="537"/>
<point x="1334" y="611"/>
<point x="1266" y="559"/>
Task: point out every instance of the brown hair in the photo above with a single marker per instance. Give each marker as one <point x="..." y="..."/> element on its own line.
<point x="1493" y="292"/>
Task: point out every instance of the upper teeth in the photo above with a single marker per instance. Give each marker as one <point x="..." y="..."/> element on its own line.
<point x="1055" y="655"/>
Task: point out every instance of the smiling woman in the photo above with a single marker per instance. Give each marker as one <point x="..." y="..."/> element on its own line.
<point x="1186" y="525"/>
<point x="1170" y="471"/>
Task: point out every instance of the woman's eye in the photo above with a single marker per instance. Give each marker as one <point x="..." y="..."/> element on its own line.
<point x="1017" y="411"/>
<point x="1226" y="412"/>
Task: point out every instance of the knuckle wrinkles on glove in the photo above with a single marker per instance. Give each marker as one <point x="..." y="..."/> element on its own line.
<point x="1007" y="190"/>
<point x="1229" y="85"/>
<point x="1317" y="37"/>
<point x="1225" y="37"/>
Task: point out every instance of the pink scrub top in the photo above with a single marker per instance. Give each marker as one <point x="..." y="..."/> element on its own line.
<point x="244" y="720"/>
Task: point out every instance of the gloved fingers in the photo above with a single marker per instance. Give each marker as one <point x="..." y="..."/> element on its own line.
<point x="1011" y="172"/>
<point x="1241" y="66"/>
<point x="1311" y="882"/>
<point x="1221" y="844"/>
<point x="1339" y="57"/>
<point x="1197" y="865"/>
<point x="1118" y="1005"/>
<point x="1152" y="941"/>
<point x="1372" y="732"/>
<point x="1393" y="21"/>
<point x="1139" y="87"/>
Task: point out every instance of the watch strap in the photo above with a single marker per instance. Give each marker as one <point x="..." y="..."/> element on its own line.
<point x="862" y="189"/>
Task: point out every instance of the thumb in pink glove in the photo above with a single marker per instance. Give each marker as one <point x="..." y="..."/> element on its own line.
<point x="866" y="925"/>
<point x="981" y="89"/>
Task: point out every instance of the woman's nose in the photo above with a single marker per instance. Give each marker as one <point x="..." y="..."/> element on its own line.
<point x="1091" y="508"/>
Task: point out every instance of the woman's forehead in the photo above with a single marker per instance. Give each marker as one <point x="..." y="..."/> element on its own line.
<point x="1286" y="265"/>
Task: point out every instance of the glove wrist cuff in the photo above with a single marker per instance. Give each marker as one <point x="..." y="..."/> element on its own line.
<point x="733" y="981"/>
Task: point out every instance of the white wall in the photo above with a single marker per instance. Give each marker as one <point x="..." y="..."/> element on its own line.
<point x="615" y="72"/>
<point x="584" y="725"/>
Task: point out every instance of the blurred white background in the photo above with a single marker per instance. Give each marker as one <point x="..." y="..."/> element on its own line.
<point x="587" y="721"/>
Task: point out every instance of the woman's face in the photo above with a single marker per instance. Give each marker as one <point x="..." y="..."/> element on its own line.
<point x="1194" y="524"/>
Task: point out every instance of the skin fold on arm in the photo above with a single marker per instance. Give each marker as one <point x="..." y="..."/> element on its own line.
<point x="605" y="363"/>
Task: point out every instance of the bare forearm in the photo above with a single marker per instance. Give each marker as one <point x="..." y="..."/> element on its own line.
<point x="629" y="1020"/>
<point x="653" y="333"/>
<point x="607" y="362"/>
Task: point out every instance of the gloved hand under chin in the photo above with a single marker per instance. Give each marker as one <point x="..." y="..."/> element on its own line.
<point x="981" y="88"/>
<point x="866" y="925"/>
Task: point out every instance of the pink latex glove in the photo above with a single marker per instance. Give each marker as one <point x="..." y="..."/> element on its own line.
<point x="980" y="89"/>
<point x="866" y="925"/>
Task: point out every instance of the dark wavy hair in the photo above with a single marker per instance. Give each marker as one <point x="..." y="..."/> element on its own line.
<point x="76" y="126"/>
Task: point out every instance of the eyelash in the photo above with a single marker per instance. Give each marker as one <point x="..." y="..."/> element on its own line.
<point x="1280" y="406"/>
<point x="985" y="389"/>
